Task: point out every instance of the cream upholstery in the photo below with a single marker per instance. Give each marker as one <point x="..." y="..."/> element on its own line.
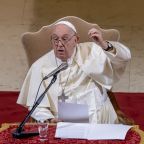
<point x="38" y="43"/>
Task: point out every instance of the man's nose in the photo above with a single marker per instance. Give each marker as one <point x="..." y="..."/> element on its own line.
<point x="60" y="43"/>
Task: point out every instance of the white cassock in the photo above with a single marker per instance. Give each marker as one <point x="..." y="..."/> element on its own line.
<point x="91" y="73"/>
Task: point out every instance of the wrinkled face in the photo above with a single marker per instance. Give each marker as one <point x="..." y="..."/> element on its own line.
<point x="64" y="41"/>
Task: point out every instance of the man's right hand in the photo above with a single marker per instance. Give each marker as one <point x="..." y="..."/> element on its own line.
<point x="54" y="120"/>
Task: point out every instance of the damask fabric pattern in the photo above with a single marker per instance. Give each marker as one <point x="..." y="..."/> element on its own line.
<point x="132" y="137"/>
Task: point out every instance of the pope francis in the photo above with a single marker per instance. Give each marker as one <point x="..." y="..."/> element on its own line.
<point x="93" y="68"/>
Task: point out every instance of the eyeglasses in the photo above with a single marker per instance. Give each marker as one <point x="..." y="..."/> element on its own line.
<point x="65" y="39"/>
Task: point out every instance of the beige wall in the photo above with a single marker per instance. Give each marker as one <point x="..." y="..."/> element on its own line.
<point x="19" y="16"/>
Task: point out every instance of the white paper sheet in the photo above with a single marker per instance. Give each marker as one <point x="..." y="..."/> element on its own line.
<point x="91" y="131"/>
<point x="107" y="131"/>
<point x="70" y="112"/>
<point x="66" y="130"/>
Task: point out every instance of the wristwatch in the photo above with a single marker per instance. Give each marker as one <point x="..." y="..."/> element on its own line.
<point x="110" y="46"/>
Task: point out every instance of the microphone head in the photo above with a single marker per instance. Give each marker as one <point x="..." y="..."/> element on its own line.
<point x="63" y="66"/>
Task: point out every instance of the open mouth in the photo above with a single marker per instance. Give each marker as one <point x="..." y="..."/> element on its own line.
<point x="60" y="50"/>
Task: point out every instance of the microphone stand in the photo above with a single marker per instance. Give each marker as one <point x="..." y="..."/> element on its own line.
<point x="19" y="133"/>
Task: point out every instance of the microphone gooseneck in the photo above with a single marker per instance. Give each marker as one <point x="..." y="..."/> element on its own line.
<point x="19" y="132"/>
<point x="60" y="68"/>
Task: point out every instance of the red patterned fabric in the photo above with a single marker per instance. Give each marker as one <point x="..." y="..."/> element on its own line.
<point x="132" y="104"/>
<point x="132" y="137"/>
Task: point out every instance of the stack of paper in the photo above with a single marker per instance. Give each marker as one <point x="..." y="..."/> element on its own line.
<point x="91" y="131"/>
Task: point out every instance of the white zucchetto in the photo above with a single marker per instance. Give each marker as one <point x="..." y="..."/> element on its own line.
<point x="67" y="23"/>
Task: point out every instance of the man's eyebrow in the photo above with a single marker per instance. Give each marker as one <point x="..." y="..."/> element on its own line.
<point x="65" y="35"/>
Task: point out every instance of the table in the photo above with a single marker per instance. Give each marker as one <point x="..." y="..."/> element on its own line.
<point x="134" y="136"/>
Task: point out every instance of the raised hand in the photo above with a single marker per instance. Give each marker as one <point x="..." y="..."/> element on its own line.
<point x="96" y="35"/>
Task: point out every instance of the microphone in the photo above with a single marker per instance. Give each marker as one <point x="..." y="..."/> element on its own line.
<point x="19" y="132"/>
<point x="62" y="67"/>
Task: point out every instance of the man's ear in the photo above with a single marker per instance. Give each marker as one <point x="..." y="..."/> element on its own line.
<point x="77" y="39"/>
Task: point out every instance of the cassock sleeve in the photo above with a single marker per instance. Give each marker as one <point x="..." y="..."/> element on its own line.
<point x="105" y="67"/>
<point x="22" y="99"/>
<point x="29" y="90"/>
<point x="41" y="113"/>
<point x="118" y="60"/>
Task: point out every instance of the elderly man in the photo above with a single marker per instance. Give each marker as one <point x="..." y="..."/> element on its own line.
<point x="93" y="67"/>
